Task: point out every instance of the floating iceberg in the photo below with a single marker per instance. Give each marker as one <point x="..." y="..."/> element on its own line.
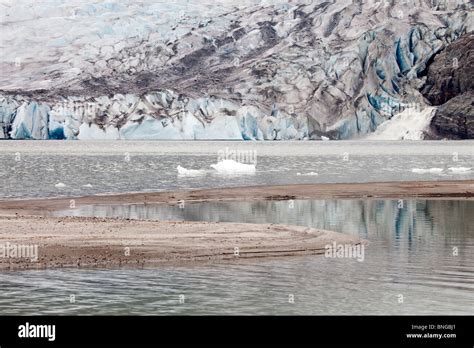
<point x="60" y="185"/>
<point x="231" y="167"/>
<point x="189" y="172"/>
<point x="460" y="170"/>
<point x="427" y="171"/>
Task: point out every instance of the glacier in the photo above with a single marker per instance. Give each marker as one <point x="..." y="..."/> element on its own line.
<point x="410" y="124"/>
<point x="256" y="70"/>
<point x="30" y="122"/>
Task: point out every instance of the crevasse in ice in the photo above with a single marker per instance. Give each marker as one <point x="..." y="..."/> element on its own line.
<point x="256" y="70"/>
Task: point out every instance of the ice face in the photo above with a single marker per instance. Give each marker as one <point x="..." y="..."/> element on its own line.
<point x="189" y="128"/>
<point x="31" y="122"/>
<point x="409" y="124"/>
<point x="94" y="132"/>
<point x="255" y="70"/>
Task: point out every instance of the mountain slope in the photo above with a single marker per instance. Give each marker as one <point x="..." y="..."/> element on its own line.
<point x="450" y="86"/>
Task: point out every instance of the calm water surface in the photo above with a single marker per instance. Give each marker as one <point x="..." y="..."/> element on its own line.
<point x="34" y="168"/>
<point x="411" y="253"/>
<point x="423" y="250"/>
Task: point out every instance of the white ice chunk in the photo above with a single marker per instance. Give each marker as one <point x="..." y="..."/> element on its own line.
<point x="428" y="170"/>
<point x="231" y="167"/>
<point x="459" y="170"/>
<point x="189" y="172"/>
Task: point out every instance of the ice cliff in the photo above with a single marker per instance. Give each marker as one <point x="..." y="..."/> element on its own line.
<point x="256" y="70"/>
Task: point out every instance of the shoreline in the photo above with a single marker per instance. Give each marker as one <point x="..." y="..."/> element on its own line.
<point x="460" y="189"/>
<point x="77" y="242"/>
<point x="100" y="242"/>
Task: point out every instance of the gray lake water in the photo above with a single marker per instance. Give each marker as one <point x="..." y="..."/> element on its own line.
<point x="420" y="259"/>
<point x="34" y="168"/>
<point x="423" y="251"/>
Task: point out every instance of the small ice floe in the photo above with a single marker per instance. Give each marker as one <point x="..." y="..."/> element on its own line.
<point x="427" y="171"/>
<point x="60" y="185"/>
<point x="231" y="167"/>
<point x="189" y="172"/>
<point x="323" y="138"/>
<point x="307" y="174"/>
<point x="87" y="185"/>
<point x="459" y="170"/>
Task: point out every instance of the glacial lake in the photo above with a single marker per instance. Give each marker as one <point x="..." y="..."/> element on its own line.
<point x="420" y="259"/>
<point x="74" y="168"/>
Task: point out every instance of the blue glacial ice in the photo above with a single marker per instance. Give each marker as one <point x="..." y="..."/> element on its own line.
<point x="253" y="70"/>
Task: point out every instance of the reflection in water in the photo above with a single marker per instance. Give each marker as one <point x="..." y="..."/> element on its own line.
<point x="403" y="222"/>
<point x="412" y="252"/>
<point x="407" y="227"/>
